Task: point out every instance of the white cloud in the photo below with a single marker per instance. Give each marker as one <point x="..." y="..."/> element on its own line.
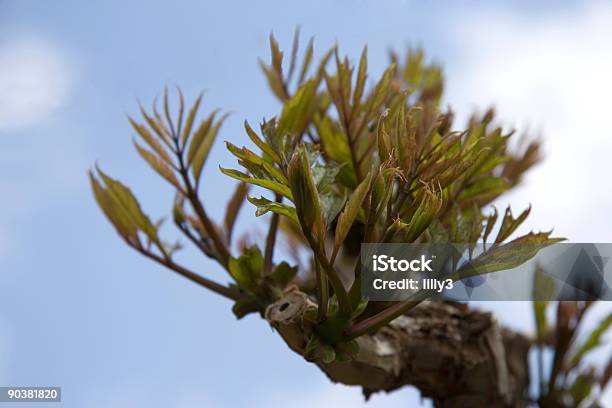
<point x="551" y="72"/>
<point x="35" y="78"/>
<point x="33" y="82"/>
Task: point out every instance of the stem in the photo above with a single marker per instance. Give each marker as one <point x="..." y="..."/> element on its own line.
<point x="343" y="299"/>
<point x="192" y="196"/>
<point x="197" y="242"/>
<point x="271" y="239"/>
<point x="225" y="291"/>
<point x="322" y="293"/>
<point x="371" y="324"/>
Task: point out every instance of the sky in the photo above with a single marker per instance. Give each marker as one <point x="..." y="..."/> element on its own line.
<point x="79" y="309"/>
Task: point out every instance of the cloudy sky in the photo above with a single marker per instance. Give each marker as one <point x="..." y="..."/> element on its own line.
<point x="80" y="310"/>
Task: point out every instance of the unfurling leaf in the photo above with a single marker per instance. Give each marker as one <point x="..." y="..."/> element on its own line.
<point x="264" y="205"/>
<point x="305" y="195"/>
<point x="348" y="215"/>
<point x="424" y="212"/>
<point x="247" y="269"/>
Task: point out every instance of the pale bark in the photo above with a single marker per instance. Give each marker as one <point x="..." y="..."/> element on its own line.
<point x="456" y="356"/>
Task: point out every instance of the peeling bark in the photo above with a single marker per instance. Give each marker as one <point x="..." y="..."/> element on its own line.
<point x="456" y="356"/>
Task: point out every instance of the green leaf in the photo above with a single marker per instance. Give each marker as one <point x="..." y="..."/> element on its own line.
<point x="283" y="274"/>
<point x="543" y="290"/>
<point x="592" y="341"/>
<point x="274" y="81"/>
<point x="305" y="195"/>
<point x="265" y="148"/>
<point x="201" y="144"/>
<point x="582" y="387"/>
<point x="361" y="77"/>
<point x="361" y="306"/>
<point x="298" y="110"/>
<point x="307" y="60"/>
<point x="543" y="285"/>
<point x="348" y="215"/>
<point x="380" y="93"/>
<point x="157" y="125"/>
<point x="233" y="207"/>
<point x="190" y="118"/>
<point x="332" y="203"/>
<point x="485" y="189"/>
<point x="327" y="353"/>
<point x="123" y="198"/>
<point x="510" y="224"/>
<point x="264" y="205"/>
<point x="124" y="225"/>
<point x="244" y="306"/>
<point x="506" y="256"/>
<point x="490" y="223"/>
<point x="247" y="269"/>
<point x="160" y="166"/>
<point x="426" y="211"/>
<point x="144" y="133"/>
<point x="277" y="55"/>
<point x="334" y="142"/>
<point x="269" y="184"/>
<point x="256" y="165"/>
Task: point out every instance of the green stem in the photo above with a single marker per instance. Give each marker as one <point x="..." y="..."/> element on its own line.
<point x="334" y="279"/>
<point x="322" y="293"/>
<point x="192" y="196"/>
<point x="271" y="239"/>
<point x="372" y="324"/>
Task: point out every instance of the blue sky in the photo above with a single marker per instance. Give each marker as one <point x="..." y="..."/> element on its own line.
<point x="80" y="310"/>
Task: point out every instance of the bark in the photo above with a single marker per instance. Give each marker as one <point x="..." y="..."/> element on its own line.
<point x="456" y="356"/>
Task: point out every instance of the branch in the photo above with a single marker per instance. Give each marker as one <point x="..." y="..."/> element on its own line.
<point x="196" y="204"/>
<point x="456" y="356"/>
<point x="381" y="319"/>
<point x="225" y="291"/>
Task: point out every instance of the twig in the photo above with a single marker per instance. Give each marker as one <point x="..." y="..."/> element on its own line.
<point x="271" y="239"/>
<point x="225" y="291"/>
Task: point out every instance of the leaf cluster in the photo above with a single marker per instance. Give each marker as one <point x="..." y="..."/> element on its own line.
<point x="349" y="159"/>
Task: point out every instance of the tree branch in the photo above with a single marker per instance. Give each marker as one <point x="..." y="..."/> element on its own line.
<point x="225" y="291"/>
